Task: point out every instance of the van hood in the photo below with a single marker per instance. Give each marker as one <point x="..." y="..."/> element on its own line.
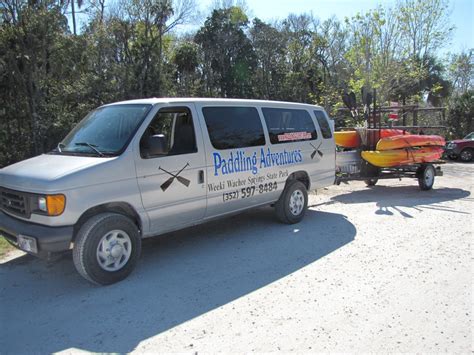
<point x="42" y="173"/>
<point x="459" y="141"/>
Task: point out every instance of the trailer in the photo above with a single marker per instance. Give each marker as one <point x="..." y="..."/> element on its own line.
<point x="350" y="166"/>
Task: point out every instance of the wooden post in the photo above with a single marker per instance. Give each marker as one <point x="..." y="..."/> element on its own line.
<point x="403" y="112"/>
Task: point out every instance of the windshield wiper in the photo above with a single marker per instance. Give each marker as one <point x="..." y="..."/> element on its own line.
<point x="92" y="146"/>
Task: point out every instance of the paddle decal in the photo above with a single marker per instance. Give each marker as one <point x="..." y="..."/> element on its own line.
<point x="164" y="186"/>
<point x="316" y="150"/>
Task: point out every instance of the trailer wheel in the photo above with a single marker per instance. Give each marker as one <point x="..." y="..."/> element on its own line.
<point x="291" y="206"/>
<point x="106" y="248"/>
<point x="371" y="182"/>
<point x="426" y="177"/>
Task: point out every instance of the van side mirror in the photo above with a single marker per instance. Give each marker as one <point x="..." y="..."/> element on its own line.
<point x="156" y="145"/>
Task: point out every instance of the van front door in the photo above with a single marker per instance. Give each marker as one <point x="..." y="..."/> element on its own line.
<point x="172" y="183"/>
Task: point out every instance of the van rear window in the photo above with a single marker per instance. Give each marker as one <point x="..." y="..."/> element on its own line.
<point x="323" y="124"/>
<point x="234" y="127"/>
<point x="289" y="125"/>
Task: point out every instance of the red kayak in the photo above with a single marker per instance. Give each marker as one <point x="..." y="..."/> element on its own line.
<point x="408" y="141"/>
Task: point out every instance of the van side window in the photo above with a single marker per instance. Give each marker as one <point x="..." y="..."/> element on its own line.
<point x="234" y="127"/>
<point x="289" y="125"/>
<point x="323" y="124"/>
<point x="176" y="125"/>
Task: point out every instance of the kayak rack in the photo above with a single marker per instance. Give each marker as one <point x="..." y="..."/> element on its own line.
<point x="368" y="117"/>
<point x="370" y="113"/>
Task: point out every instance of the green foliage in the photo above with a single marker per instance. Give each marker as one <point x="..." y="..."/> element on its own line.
<point x="229" y="59"/>
<point x="50" y="78"/>
<point x="461" y="114"/>
<point x="5" y="247"/>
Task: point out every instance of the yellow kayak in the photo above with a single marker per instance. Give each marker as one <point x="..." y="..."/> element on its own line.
<point x="397" y="157"/>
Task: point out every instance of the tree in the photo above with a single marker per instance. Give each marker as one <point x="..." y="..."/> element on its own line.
<point x="186" y="60"/>
<point x="73" y="13"/>
<point x="229" y="60"/>
<point x="461" y="114"/>
<point x="461" y="71"/>
<point x="424" y="26"/>
<point x="270" y="51"/>
<point x="50" y="77"/>
<point x="38" y="72"/>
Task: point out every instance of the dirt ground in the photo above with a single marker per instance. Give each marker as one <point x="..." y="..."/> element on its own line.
<point x="382" y="269"/>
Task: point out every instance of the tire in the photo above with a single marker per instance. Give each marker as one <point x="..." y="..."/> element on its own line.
<point x="426" y="177"/>
<point x="371" y="182"/>
<point x="291" y="206"/>
<point x="107" y="248"/>
<point x="466" y="155"/>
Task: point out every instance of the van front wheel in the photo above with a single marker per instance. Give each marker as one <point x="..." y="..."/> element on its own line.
<point x="106" y="248"/>
<point x="291" y="206"/>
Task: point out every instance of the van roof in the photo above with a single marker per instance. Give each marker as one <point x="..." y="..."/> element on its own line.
<point x="155" y="100"/>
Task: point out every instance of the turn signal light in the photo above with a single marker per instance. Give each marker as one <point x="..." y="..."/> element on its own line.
<point x="55" y="204"/>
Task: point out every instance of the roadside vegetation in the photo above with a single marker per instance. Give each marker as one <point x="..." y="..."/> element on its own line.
<point x="60" y="59"/>
<point x="5" y="247"/>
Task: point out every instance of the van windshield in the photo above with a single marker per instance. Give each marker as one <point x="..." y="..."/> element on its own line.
<point x="105" y="131"/>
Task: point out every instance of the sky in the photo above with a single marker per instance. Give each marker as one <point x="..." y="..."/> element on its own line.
<point x="462" y="14"/>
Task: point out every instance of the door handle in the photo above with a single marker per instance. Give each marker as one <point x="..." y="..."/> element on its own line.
<point x="201" y="177"/>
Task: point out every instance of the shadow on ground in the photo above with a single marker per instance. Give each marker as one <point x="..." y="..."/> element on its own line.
<point x="391" y="199"/>
<point x="47" y="307"/>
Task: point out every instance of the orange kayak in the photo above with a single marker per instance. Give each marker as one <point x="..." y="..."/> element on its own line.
<point x="351" y="139"/>
<point x="407" y="156"/>
<point x="347" y="139"/>
<point x="409" y="140"/>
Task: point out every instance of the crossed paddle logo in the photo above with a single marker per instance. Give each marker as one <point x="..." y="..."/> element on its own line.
<point x="164" y="186"/>
<point x="316" y="150"/>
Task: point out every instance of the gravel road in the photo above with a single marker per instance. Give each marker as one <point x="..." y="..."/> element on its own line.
<point x="382" y="269"/>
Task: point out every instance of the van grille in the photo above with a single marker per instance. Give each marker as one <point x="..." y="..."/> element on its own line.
<point x="15" y="202"/>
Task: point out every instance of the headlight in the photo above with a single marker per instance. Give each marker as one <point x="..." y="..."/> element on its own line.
<point x="451" y="145"/>
<point x="52" y="205"/>
<point x="42" y="204"/>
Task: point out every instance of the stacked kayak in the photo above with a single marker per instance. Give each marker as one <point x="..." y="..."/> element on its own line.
<point x="347" y="139"/>
<point x="351" y="139"/>
<point x="405" y="150"/>
<point x="396" y="157"/>
<point x="409" y="140"/>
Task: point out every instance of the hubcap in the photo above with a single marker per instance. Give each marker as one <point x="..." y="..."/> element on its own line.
<point x="114" y="250"/>
<point x="466" y="155"/>
<point x="296" y="202"/>
<point x="429" y="176"/>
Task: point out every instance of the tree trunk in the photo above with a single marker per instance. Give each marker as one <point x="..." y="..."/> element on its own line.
<point x="73" y="14"/>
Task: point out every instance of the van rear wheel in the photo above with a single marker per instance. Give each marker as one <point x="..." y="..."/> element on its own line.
<point x="107" y="248"/>
<point x="292" y="204"/>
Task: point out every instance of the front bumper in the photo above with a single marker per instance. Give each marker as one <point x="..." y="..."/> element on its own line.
<point x="451" y="150"/>
<point x="48" y="239"/>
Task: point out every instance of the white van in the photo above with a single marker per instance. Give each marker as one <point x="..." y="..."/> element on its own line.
<point x="141" y="168"/>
